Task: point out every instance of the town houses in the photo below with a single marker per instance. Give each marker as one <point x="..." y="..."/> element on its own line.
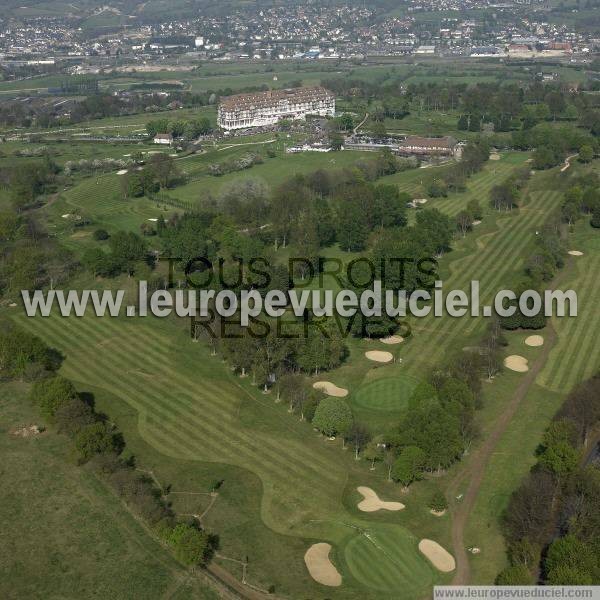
<point x="267" y="108"/>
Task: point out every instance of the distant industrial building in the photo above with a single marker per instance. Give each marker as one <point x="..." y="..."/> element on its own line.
<point x="486" y="52"/>
<point x="267" y="108"/>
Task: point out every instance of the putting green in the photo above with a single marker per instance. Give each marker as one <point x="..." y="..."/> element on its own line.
<point x="386" y="558"/>
<point x="390" y="394"/>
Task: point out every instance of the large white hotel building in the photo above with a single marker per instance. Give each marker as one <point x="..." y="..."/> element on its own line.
<point x="267" y="108"/>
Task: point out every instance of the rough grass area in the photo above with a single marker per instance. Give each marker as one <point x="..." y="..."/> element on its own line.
<point x="63" y="530"/>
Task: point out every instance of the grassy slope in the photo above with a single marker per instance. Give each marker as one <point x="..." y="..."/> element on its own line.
<point x="63" y="530"/>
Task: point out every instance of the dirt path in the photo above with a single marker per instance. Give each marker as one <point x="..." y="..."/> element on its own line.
<point x="568" y="162"/>
<point x="475" y="470"/>
<point x="361" y="123"/>
<point x="245" y="144"/>
<point x="230" y="581"/>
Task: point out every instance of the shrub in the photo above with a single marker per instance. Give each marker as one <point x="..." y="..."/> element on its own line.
<point x="97" y="438"/>
<point x="52" y="394"/>
<point x="73" y="415"/>
<point x="515" y="575"/>
<point x="20" y="352"/>
<point x="438" y="502"/>
<point x="100" y="234"/>
<point x="595" y="222"/>
<point x="190" y="545"/>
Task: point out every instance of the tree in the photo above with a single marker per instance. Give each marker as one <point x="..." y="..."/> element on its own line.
<point x="389" y="459"/>
<point x="529" y="509"/>
<point x="333" y="417"/>
<point x="586" y="153"/>
<point x="346" y="122"/>
<point x="570" y="562"/>
<point x="373" y="451"/>
<point x="25" y="356"/>
<point x="127" y="248"/>
<point x="336" y="141"/>
<point x="595" y="220"/>
<point x="464" y="222"/>
<point x="542" y="111"/>
<point x="245" y="200"/>
<point x="353" y="218"/>
<point x="491" y="344"/>
<point x="504" y="196"/>
<point x="176" y="128"/>
<point x="389" y="209"/>
<point x="157" y="126"/>
<point x="463" y="123"/>
<point x="436" y="431"/>
<point x="408" y="465"/>
<point x="437" y="188"/>
<point x="377" y="129"/>
<point x="97" y="438"/>
<point x="190" y="545"/>
<point x="72" y="416"/>
<point x="515" y="575"/>
<point x="556" y="103"/>
<point x="560" y="458"/>
<point x="358" y="436"/>
<point x="523" y="552"/>
<point x="162" y="166"/>
<point x="438" y="502"/>
<point x="132" y="185"/>
<point x="27" y="181"/>
<point x="50" y="394"/>
<point x="306" y="240"/>
<point x="436" y="226"/>
<point x="545" y="157"/>
<point x="474" y="207"/>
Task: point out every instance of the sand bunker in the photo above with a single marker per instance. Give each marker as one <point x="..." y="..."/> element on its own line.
<point x="392" y="339"/>
<point x="437" y="513"/>
<point x="534" y="341"/>
<point x="330" y="389"/>
<point x="517" y="363"/>
<point x="476" y="222"/>
<point x="372" y="503"/>
<point x="441" y="559"/>
<point x="122" y="172"/>
<point x="494" y="156"/>
<point x="575" y="253"/>
<point x="378" y="356"/>
<point x="319" y="566"/>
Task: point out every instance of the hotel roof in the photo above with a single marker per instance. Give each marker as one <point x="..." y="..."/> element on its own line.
<point x="274" y="97"/>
